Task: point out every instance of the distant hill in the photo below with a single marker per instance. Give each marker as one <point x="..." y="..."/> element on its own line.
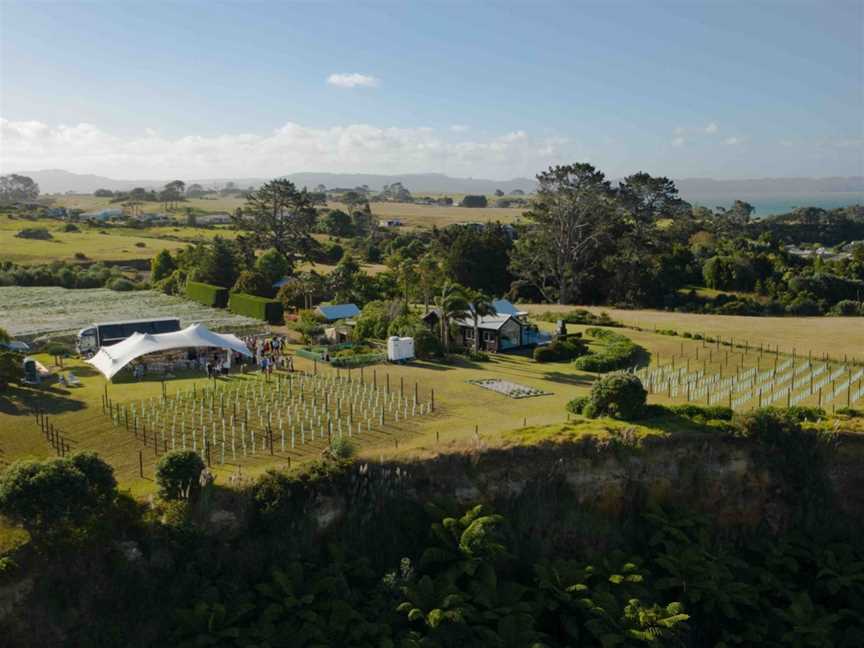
<point x="59" y="181"/>
<point x="777" y="192"/>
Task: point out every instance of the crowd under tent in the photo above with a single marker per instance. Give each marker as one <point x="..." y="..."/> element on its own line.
<point x="110" y="360"/>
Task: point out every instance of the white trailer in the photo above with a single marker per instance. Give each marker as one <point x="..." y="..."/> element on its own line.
<point x="400" y="349"/>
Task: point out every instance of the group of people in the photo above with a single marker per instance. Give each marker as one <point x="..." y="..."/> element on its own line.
<point x="269" y="353"/>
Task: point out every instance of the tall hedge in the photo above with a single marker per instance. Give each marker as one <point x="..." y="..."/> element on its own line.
<point x="261" y="308"/>
<point x="207" y="294"/>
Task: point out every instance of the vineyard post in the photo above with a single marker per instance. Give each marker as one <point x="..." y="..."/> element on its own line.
<point x="140" y="463"/>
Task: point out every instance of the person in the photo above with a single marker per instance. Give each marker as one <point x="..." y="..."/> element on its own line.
<point x="209" y="368"/>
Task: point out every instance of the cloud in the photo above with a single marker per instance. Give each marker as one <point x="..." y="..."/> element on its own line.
<point x="733" y="141"/>
<point x="353" y="80"/>
<point x="678" y="141"/>
<point x="712" y="128"/>
<point x="85" y="148"/>
<point x="459" y="128"/>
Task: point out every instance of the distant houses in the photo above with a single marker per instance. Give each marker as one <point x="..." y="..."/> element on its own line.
<point x="220" y="218"/>
<point x="103" y="215"/>
<point x="392" y="222"/>
<point x="507" y="330"/>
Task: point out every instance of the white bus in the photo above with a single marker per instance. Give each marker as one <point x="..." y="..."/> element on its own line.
<point x="93" y="337"/>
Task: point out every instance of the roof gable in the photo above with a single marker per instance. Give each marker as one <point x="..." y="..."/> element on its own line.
<point x="338" y="311"/>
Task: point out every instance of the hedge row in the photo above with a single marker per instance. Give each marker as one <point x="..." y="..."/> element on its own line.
<point x="207" y="294"/>
<point x="260" y="308"/>
<point x="619" y="352"/>
<point x="357" y="360"/>
<point x="310" y="355"/>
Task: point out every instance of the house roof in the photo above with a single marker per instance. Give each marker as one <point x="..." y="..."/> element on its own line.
<point x="338" y="311"/>
<point x="489" y="322"/>
<point x="504" y="307"/>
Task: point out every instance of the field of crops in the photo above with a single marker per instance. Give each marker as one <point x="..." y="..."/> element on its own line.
<point x="31" y="311"/>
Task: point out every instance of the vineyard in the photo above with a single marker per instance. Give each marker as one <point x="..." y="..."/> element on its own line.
<point x="280" y="417"/>
<point x="749" y="378"/>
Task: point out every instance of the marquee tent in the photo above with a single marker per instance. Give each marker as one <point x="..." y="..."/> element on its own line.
<point x="109" y="360"/>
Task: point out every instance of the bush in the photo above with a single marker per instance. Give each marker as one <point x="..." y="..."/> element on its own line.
<point x="545" y="354"/>
<point x="619" y="352"/>
<point x="343" y="448"/>
<point x="71" y="227"/>
<point x="805" y="413"/>
<point x="253" y="283"/>
<point x="80" y="256"/>
<point x="177" y="475"/>
<point x="427" y="345"/>
<point x="703" y="412"/>
<point x="767" y="425"/>
<point x="577" y="405"/>
<point x="207" y="294"/>
<point x="121" y="284"/>
<point x="848" y="308"/>
<point x="140" y="244"/>
<point x="562" y="349"/>
<point x="260" y="308"/>
<point x="619" y="395"/>
<point x="38" y="233"/>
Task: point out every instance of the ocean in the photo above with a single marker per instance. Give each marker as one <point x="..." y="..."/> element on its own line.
<point x="768" y="205"/>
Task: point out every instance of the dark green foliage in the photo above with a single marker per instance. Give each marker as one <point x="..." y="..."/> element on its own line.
<point x="427" y="345"/>
<point x="272" y="266"/>
<point x="11" y="370"/>
<point x="121" y="284"/>
<point x="218" y="264"/>
<point x="619" y="395"/>
<point x="618" y="352"/>
<point x="38" y="233"/>
<point x="252" y="283"/>
<point x="703" y="412"/>
<point x="474" y="201"/>
<point x="161" y="266"/>
<point x="58" y="273"/>
<point x="563" y="349"/>
<point x="375" y="319"/>
<point x="577" y="405"/>
<point x="260" y="308"/>
<point x="178" y="473"/>
<point x="49" y="496"/>
<point x="214" y="296"/>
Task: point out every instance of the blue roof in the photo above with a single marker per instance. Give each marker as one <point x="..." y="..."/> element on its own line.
<point x="333" y="312"/>
<point x="504" y="307"/>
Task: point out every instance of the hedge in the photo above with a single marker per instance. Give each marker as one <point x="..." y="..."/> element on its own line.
<point x="619" y="352"/>
<point x="207" y="294"/>
<point x="260" y="308"/>
<point x="357" y="360"/>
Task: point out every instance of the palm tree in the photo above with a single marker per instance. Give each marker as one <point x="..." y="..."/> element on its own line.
<point x="451" y="304"/>
<point x="481" y="306"/>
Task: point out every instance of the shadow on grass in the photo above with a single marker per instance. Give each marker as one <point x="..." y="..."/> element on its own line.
<point x="17" y="400"/>
<point x="678" y="424"/>
<point x="568" y="378"/>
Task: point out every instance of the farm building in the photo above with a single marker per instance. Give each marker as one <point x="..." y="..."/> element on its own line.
<point x="393" y="222"/>
<point x="506" y="330"/>
<point x="103" y="215"/>
<point x="335" y="312"/>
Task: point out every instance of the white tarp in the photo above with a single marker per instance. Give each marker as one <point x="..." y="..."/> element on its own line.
<point x="109" y="360"/>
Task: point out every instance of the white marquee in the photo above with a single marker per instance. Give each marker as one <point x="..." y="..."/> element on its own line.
<point x="109" y="360"/>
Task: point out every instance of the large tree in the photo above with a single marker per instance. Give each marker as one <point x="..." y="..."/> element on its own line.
<point x="573" y="219"/>
<point x="279" y="216"/>
<point x="649" y="199"/>
<point x="14" y="187"/>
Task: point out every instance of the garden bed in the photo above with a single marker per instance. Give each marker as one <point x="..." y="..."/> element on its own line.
<point x="509" y="389"/>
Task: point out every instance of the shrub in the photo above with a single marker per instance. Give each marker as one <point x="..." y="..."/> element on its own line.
<point x="80" y="256"/>
<point x="260" y="308"/>
<point x="427" y="345"/>
<point x="703" y="412"/>
<point x="767" y="425"/>
<point x="849" y="411"/>
<point x="619" y="352"/>
<point x="343" y="448"/>
<point x="805" y="413"/>
<point x="121" y="284"/>
<point x="620" y="395"/>
<point x="545" y="354"/>
<point x="71" y="227"/>
<point x="252" y="283"/>
<point x="161" y="266"/>
<point x="272" y="266"/>
<point x="207" y="294"/>
<point x="38" y="233"/>
<point x="177" y="474"/>
<point x="848" y="308"/>
<point x="140" y="244"/>
<point x="577" y="405"/>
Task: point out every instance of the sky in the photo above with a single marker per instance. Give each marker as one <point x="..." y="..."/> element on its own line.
<point x="722" y="89"/>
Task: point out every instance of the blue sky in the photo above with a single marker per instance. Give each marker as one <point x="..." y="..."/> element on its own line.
<point x="720" y="89"/>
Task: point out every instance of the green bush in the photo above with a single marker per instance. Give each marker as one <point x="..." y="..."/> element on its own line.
<point x="703" y="412"/>
<point x="177" y="475"/>
<point x="545" y="354"/>
<point x="618" y="352"/>
<point x="253" y="283"/>
<point x="562" y="349"/>
<point x="619" y="395"/>
<point x="806" y="413"/>
<point x="850" y="411"/>
<point x="121" y="284"/>
<point x="207" y="294"/>
<point x="577" y="405"/>
<point x="38" y="233"/>
<point x="427" y="345"/>
<point x="260" y="308"/>
<point x="768" y="425"/>
<point x="343" y="448"/>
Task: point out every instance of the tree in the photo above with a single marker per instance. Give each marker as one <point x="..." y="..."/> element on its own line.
<point x="218" y="265"/>
<point x="58" y="351"/>
<point x="474" y="201"/>
<point x="429" y="275"/>
<point x="18" y="188"/>
<point x="103" y="193"/>
<point x="481" y="306"/>
<point x="342" y="281"/>
<point x="279" y="216"/>
<point x="11" y="370"/>
<point x="338" y="223"/>
<point x="649" y="199"/>
<point x="178" y="473"/>
<point x="172" y="193"/>
<point x="191" y="219"/>
<point x="161" y="266"/>
<point x="573" y="217"/>
<point x="272" y="266"/>
<point x="252" y="283"/>
<point x="451" y="304"/>
<point x="195" y="191"/>
<point x="499" y="193"/>
<point x="46" y="496"/>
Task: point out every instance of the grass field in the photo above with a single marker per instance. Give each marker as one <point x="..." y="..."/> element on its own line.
<point x="836" y="336"/>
